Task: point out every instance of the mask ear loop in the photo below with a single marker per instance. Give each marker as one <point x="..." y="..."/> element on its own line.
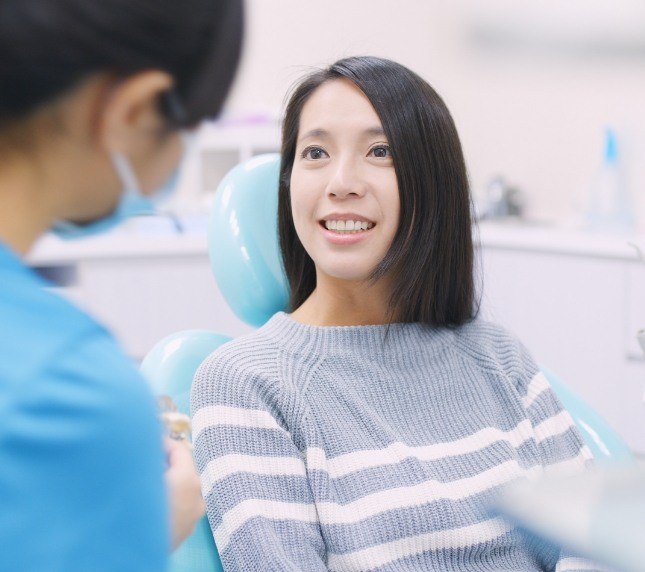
<point x="129" y="179"/>
<point x="126" y="173"/>
<point x="188" y="143"/>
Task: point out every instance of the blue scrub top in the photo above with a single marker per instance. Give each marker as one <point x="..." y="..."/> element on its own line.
<point x="81" y="454"/>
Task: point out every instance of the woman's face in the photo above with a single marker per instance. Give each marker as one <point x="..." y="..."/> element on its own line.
<point x="344" y="192"/>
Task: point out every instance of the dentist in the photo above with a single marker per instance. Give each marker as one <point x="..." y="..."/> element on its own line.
<point x="94" y="100"/>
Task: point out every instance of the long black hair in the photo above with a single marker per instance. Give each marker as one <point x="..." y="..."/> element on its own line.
<point x="431" y="255"/>
<point x="49" y="46"/>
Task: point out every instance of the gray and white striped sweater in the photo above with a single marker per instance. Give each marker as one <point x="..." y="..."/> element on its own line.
<point x="368" y="448"/>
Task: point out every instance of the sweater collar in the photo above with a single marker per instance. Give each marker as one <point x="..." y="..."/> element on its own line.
<point x="376" y="340"/>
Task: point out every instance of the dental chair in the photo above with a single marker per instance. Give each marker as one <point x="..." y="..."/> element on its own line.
<point x="245" y="258"/>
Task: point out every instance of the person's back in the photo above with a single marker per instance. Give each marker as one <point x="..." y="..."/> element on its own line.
<point x="80" y="452"/>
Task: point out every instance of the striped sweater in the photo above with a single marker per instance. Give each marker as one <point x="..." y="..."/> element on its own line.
<point x="375" y="448"/>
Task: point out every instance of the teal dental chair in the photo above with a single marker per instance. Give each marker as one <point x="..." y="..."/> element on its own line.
<point x="245" y="259"/>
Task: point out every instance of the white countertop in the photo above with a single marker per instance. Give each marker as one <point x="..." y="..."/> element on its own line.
<point x="157" y="238"/>
<point x="516" y="235"/>
<point x="137" y="239"/>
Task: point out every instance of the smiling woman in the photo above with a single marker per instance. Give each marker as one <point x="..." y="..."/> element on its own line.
<point x="371" y="427"/>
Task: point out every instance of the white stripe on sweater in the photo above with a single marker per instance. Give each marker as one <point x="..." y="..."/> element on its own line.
<point x="422" y="494"/>
<point x="373" y="504"/>
<point x="379" y="502"/>
<point x="553" y="426"/>
<point x="538" y="385"/>
<point x="220" y="415"/>
<point x="375" y="556"/>
<point x="356" y="461"/>
<point x="222" y="467"/>
<point x="397" y="452"/>
<point x="243" y="512"/>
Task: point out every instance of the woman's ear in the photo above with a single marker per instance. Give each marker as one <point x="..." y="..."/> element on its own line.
<point x="131" y="112"/>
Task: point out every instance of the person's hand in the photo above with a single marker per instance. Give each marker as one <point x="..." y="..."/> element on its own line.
<point x="186" y="502"/>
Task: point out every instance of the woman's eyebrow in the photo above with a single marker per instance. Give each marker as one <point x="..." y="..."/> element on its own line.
<point x="375" y="131"/>
<point x="314" y="133"/>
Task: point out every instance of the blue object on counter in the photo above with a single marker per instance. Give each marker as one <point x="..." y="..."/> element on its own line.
<point x="609" y="206"/>
<point x="243" y="240"/>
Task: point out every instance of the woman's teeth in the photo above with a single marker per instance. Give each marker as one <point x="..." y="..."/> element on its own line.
<point x="348" y="225"/>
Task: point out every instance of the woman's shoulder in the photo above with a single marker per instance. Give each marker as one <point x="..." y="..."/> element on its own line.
<point x="249" y="372"/>
<point x="493" y="346"/>
<point x="249" y="359"/>
<point x="482" y="332"/>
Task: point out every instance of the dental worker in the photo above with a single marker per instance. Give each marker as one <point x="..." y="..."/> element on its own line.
<point x="95" y="99"/>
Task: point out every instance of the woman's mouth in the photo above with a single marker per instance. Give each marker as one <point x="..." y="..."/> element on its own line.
<point x="347" y="226"/>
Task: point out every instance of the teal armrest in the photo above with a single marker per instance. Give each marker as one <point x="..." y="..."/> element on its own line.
<point x="606" y="445"/>
<point x="170" y="367"/>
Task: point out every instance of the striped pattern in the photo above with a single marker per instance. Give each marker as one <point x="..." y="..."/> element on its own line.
<point x="375" y="455"/>
<point x="382" y="554"/>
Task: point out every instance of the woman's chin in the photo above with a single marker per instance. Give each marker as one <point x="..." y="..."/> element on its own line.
<point x="347" y="274"/>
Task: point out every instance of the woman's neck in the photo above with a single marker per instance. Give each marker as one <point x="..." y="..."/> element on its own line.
<point x="341" y="303"/>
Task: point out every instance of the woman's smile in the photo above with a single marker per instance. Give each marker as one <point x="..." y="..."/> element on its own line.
<point x="345" y="228"/>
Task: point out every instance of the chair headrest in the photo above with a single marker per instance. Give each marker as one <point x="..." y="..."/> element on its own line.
<point x="243" y="240"/>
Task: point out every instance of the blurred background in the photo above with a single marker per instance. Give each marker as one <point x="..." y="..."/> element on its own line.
<point x="532" y="86"/>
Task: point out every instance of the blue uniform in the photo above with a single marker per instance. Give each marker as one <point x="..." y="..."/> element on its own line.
<point x="81" y="454"/>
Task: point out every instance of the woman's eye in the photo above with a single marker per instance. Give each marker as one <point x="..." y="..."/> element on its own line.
<point x="314" y="153"/>
<point x="381" y="151"/>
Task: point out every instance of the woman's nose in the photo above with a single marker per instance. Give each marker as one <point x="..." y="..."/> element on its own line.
<point x="345" y="181"/>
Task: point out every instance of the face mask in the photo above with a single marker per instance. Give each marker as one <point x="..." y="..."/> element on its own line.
<point x="132" y="201"/>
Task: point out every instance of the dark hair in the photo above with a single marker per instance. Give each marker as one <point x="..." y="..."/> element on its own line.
<point x="431" y="255"/>
<point x="49" y="46"/>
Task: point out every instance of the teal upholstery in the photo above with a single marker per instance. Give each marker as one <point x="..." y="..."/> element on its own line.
<point x="607" y="446"/>
<point x="244" y="254"/>
<point x="243" y="240"/>
<point x="170" y="367"/>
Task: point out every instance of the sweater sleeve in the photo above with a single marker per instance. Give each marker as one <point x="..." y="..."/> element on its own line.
<point x="560" y="445"/>
<point x="258" y="498"/>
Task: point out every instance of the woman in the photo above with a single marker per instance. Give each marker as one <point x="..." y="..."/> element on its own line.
<point x="371" y="427"/>
<point x="94" y="98"/>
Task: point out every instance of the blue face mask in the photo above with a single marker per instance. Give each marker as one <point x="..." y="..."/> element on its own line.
<point x="132" y="201"/>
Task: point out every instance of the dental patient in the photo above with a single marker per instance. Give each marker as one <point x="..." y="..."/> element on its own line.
<point x="371" y="426"/>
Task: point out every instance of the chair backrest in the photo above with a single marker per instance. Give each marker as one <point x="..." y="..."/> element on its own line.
<point x="245" y="258"/>
<point x="243" y="240"/>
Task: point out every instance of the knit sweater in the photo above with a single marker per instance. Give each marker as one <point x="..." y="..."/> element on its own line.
<point x="375" y="448"/>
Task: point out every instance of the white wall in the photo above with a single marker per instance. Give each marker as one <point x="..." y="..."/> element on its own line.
<point x="531" y="85"/>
